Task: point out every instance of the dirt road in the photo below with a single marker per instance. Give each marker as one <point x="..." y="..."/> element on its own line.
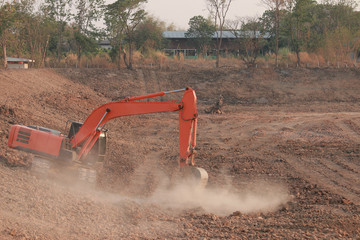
<point x="283" y="159"/>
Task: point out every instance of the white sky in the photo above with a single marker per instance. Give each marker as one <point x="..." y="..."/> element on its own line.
<point x="179" y="12"/>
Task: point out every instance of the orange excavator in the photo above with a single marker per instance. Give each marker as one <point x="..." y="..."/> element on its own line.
<point x="85" y="143"/>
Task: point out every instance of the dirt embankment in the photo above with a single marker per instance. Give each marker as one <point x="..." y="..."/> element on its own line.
<point x="291" y="89"/>
<point x="283" y="159"/>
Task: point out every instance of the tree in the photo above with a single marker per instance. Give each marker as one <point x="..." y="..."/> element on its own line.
<point x="33" y="30"/>
<point x="200" y="33"/>
<point x="39" y="29"/>
<point x="275" y="6"/>
<point x="59" y="11"/>
<point x="299" y="22"/>
<point x="249" y="37"/>
<point x="341" y="36"/>
<point x="218" y="9"/>
<point x="7" y="20"/>
<point x="87" y="12"/>
<point x="148" y="35"/>
<point x="122" y="17"/>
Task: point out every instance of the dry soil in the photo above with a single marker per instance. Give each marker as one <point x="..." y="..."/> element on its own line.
<point x="283" y="159"/>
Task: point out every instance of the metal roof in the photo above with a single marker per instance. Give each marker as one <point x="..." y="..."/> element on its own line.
<point x="226" y="34"/>
<point x="104" y="42"/>
<point x="12" y="59"/>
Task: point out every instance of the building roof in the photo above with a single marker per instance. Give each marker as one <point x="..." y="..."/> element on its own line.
<point x="226" y="34"/>
<point x="12" y="59"/>
<point x="104" y="42"/>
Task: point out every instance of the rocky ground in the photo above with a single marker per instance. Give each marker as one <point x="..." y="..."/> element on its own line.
<point x="283" y="158"/>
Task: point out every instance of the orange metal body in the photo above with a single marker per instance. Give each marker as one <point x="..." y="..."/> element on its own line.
<point x="89" y="132"/>
<point x="87" y="135"/>
<point x="28" y="139"/>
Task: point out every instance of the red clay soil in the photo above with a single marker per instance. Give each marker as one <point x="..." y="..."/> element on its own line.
<point x="283" y="160"/>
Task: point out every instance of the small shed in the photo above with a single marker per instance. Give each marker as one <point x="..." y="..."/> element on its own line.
<point x="22" y="63"/>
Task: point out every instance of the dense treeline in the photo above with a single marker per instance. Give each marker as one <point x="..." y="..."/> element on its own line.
<point x="331" y="29"/>
<point x="57" y="29"/>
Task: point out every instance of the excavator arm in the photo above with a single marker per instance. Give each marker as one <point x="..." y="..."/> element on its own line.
<point x="87" y="135"/>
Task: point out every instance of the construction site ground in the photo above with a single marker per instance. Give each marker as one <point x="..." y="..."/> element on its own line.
<point x="283" y="159"/>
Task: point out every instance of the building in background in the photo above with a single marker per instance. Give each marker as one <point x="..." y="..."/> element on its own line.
<point x="105" y="44"/>
<point x="178" y="43"/>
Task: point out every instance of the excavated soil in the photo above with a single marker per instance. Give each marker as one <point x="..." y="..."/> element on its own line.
<point x="283" y="159"/>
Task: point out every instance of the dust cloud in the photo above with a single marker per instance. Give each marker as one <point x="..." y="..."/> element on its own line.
<point x="251" y="197"/>
<point x="257" y="197"/>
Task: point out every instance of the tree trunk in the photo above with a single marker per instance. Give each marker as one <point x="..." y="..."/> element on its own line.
<point x="4" y="52"/>
<point x="130" y="67"/>
<point x="219" y="42"/>
<point x="277" y="26"/>
<point x="298" y="57"/>
<point x="125" y="59"/>
<point x="44" y="52"/>
<point x="119" y="57"/>
<point x="79" y="55"/>
<point x="217" y="58"/>
<point x="59" y="43"/>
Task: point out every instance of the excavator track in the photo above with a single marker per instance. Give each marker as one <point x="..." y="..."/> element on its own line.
<point x="65" y="173"/>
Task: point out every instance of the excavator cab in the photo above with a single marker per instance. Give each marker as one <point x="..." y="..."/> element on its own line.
<point x="98" y="151"/>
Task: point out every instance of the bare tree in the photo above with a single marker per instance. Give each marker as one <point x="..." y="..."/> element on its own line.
<point x="122" y="17"/>
<point x="249" y="38"/>
<point x="60" y="12"/>
<point x="218" y="9"/>
<point x="275" y="6"/>
<point x="87" y="12"/>
<point x="7" y="20"/>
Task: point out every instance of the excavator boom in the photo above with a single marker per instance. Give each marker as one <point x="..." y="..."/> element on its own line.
<point x="89" y="132"/>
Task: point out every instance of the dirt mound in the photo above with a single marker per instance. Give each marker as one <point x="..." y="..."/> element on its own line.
<point x="282" y="159"/>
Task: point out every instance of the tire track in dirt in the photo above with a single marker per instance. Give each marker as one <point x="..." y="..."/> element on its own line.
<point x="259" y="135"/>
<point x="149" y="81"/>
<point x="333" y="173"/>
<point x="348" y="166"/>
<point x="342" y="177"/>
<point x="350" y="129"/>
<point x="141" y="81"/>
<point x="311" y="172"/>
<point x="155" y="79"/>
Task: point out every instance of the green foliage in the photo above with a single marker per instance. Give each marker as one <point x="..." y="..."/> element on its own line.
<point x="60" y="27"/>
<point x="87" y="12"/>
<point x="148" y="35"/>
<point x="7" y="17"/>
<point x="268" y="27"/>
<point x="59" y="12"/>
<point x="200" y="33"/>
<point x="250" y="40"/>
<point x="87" y="43"/>
<point x="121" y="18"/>
<point x="8" y="14"/>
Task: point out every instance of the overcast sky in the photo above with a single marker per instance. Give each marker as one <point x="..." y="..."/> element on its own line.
<point x="179" y="12"/>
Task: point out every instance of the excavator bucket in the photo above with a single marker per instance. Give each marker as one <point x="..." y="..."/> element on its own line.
<point x="195" y="176"/>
